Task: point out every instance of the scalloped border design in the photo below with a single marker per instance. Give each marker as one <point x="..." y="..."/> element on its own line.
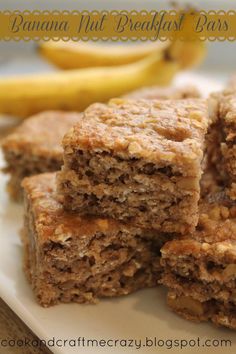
<point x="229" y="37"/>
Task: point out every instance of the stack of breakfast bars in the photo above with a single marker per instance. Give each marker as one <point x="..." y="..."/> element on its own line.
<point x="131" y="207"/>
<point x="199" y="269"/>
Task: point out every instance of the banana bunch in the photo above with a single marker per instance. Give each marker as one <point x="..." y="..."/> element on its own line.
<point x="71" y="55"/>
<point x="74" y="90"/>
<point x="97" y="75"/>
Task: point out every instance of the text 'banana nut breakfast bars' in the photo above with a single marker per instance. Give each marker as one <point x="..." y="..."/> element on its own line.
<point x="137" y="161"/>
<point x="35" y="147"/>
<point x="73" y="258"/>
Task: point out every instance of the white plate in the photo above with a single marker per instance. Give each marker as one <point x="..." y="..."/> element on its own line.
<point x="143" y="314"/>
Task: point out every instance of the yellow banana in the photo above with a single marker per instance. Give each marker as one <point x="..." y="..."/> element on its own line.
<point x="76" y="89"/>
<point x="187" y="53"/>
<point x="71" y="55"/>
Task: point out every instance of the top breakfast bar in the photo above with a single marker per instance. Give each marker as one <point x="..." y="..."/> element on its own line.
<point x="137" y="161"/>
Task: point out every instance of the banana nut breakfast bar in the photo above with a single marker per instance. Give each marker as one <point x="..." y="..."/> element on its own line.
<point x="73" y="258"/>
<point x="200" y="269"/>
<point x="35" y="147"/>
<point x="221" y="141"/>
<point x="137" y="161"/>
<point x="165" y="93"/>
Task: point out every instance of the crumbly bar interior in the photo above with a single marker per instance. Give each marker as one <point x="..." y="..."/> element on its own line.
<point x="21" y="164"/>
<point x="202" y="267"/>
<point x="35" y="147"/>
<point x="221" y="147"/>
<point x="152" y="195"/>
<point x="220" y="313"/>
<point x="65" y="266"/>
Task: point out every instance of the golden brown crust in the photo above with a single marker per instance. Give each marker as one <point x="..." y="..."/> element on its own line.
<point x="215" y="236"/>
<point x="165" y="93"/>
<point x="41" y="134"/>
<point x="167" y="131"/>
<point x="35" y="147"/>
<point x="217" y="220"/>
